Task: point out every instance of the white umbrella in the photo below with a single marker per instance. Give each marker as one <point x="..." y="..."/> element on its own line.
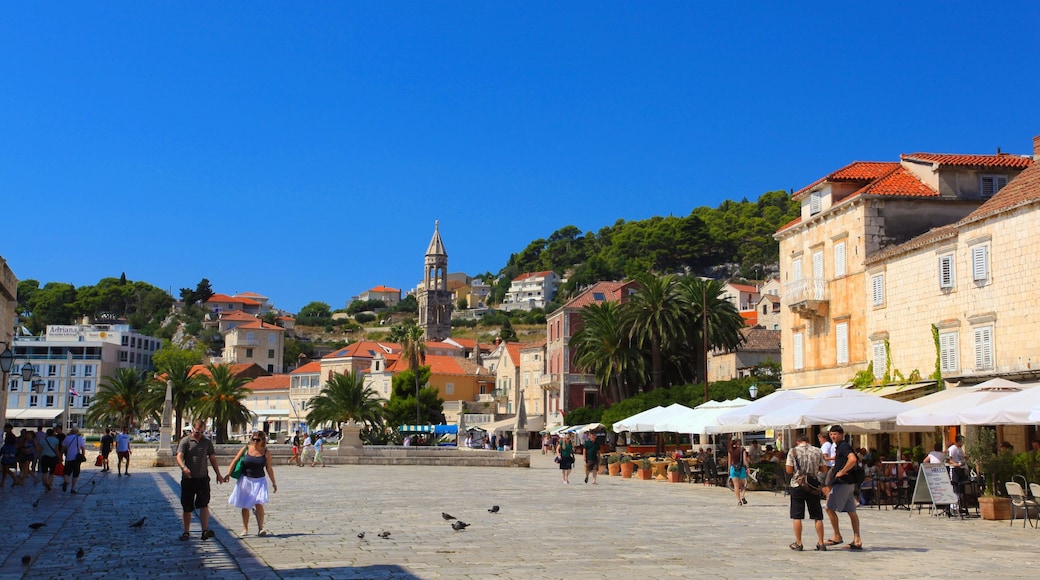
<point x="837" y="406"/>
<point x="1034" y="414"/>
<point x="1011" y="409"/>
<point x="745" y="418"/>
<point x="700" y="418"/>
<point x="946" y="409"/>
<point x="627" y="423"/>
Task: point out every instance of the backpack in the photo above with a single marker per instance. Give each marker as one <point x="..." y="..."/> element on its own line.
<point x="858" y="474"/>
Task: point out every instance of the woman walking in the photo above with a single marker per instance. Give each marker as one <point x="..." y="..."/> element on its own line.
<point x="565" y="455"/>
<point x="250" y="492"/>
<point x="26" y="456"/>
<point x="738" y="462"/>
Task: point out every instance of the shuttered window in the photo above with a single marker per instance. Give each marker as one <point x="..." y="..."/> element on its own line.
<point x="877" y="290"/>
<point x="984" y="348"/>
<point x="948" y="352"/>
<point x="991" y="184"/>
<point x="817" y="265"/>
<point x="980" y="263"/>
<point x="796" y="269"/>
<point x="879" y="360"/>
<point x="799" y="356"/>
<point x="946" y="271"/>
<point x="839" y="259"/>
<point x="815" y="202"/>
<point x="841" y="337"/>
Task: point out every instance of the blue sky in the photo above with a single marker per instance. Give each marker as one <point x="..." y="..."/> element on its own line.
<point x="303" y="150"/>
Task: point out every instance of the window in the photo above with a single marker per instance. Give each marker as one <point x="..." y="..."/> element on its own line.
<point x="799" y="357"/>
<point x="122" y="356"/>
<point x="879" y="360"/>
<point x="270" y="338"/>
<point x="815" y="202"/>
<point x="796" y="269"/>
<point x="124" y="341"/>
<point x="270" y="353"/>
<point x="841" y="337"/>
<point x="948" y="352"/>
<point x="980" y="263"/>
<point x="839" y="259"/>
<point x="88" y="370"/>
<point x="85" y="401"/>
<point x="991" y="184"/>
<point x="946" y="271"/>
<point x="88" y="386"/>
<point x="52" y="370"/>
<point x="34" y="400"/>
<point x="73" y="370"/>
<point x="984" y="348"/>
<point x="877" y="290"/>
<point x="13" y="385"/>
<point x="249" y="353"/>
<point x="817" y="265"/>
<point x="49" y="401"/>
<point x="52" y="385"/>
<point x="250" y="336"/>
<point x="449" y="389"/>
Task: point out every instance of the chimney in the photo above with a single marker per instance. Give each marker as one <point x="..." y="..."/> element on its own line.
<point x="1036" y="148"/>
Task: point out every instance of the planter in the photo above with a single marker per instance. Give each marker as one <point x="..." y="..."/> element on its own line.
<point x="995" y="508"/>
<point x="676" y="477"/>
<point x="627" y="468"/>
<point x="646" y="474"/>
<point x="615" y="469"/>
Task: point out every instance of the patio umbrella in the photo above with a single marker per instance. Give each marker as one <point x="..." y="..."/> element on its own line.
<point x="703" y="416"/>
<point x="946" y="409"/>
<point x="1013" y="409"/>
<point x="743" y="419"/>
<point x="628" y="423"/>
<point x="837" y="406"/>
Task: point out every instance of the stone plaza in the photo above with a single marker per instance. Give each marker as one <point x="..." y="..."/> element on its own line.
<point x="545" y="529"/>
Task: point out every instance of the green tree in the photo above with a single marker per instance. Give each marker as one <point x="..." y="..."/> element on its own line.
<point x="222" y="400"/>
<point x="122" y="398"/>
<point x="178" y="366"/>
<point x="401" y="407"/>
<point x="315" y="310"/>
<point x="655" y="314"/>
<point x="507" y="334"/>
<point x="413" y="348"/>
<point x="345" y="398"/>
<point x="51" y="304"/>
<point x="203" y="291"/>
<point x="705" y="303"/>
<point x="603" y="346"/>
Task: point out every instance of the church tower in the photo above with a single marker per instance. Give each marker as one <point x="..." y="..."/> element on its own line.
<point x="434" y="298"/>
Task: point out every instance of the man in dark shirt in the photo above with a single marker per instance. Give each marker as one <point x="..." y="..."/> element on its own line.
<point x="106" y="448"/>
<point x="843" y="489"/>
<point x="591" y="447"/>
<point x="192" y="454"/>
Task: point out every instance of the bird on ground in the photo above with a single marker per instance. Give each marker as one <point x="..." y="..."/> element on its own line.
<point x="80" y="553"/>
<point x="361" y="536"/>
<point x="138" y="524"/>
<point x="493" y="509"/>
<point x="26" y="560"/>
<point x="37" y="525"/>
<point x="447" y="516"/>
<point x="36" y="503"/>
<point x="459" y="525"/>
<point x="384" y="535"/>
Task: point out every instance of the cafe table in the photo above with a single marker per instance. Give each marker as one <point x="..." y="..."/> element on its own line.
<point x="902" y="487"/>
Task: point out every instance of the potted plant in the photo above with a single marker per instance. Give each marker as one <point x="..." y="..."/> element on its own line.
<point x="673" y="473"/>
<point x="996" y="469"/>
<point x="613" y="467"/>
<point x="627" y="467"/>
<point x="646" y="470"/>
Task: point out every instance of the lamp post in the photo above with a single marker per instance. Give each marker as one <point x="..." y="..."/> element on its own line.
<point x="753" y="391"/>
<point x="6" y="362"/>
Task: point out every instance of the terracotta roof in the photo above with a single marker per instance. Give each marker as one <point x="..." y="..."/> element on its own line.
<point x="236" y="315"/>
<point x="513" y="348"/>
<point x="271" y="383"/>
<point x="760" y="340"/>
<point x="610" y="292"/>
<point x="1023" y="189"/>
<point x="855" y="171"/>
<point x="441" y="365"/>
<point x="1002" y="160"/>
<point x="533" y="275"/>
<point x="237" y="369"/>
<point x="743" y="288"/>
<point x="770" y="298"/>
<point x="791" y="223"/>
<point x="750" y="317"/>
<point x="224" y="298"/>
<point x="362" y="348"/>
<point x="309" y="368"/>
<point x="898" y="182"/>
<point x="258" y="324"/>
<point x="384" y="289"/>
<point x="250" y="295"/>
<point x="536" y="344"/>
<point x="285" y="318"/>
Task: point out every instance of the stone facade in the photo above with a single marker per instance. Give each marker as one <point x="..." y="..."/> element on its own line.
<point x="256" y="342"/>
<point x="435" y="305"/>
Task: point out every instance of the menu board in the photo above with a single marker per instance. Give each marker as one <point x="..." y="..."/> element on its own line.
<point x="933" y="485"/>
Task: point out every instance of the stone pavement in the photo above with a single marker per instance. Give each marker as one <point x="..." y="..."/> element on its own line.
<point x="621" y="527"/>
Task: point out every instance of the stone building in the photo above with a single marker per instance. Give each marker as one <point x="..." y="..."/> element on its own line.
<point x="433" y="295"/>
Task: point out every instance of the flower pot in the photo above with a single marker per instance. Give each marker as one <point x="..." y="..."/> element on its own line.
<point x="615" y="469"/>
<point x="645" y="474"/>
<point x="674" y="477"/>
<point x="627" y="469"/>
<point x="995" y="508"/>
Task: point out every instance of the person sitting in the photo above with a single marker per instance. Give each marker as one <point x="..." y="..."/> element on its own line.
<point x="936" y="455"/>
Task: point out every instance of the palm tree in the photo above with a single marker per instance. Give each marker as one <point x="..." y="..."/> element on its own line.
<point x="188" y="386"/>
<point x="122" y="398"/>
<point x="655" y="315"/>
<point x="603" y="346"/>
<point x="414" y="349"/>
<point x="222" y="399"/>
<point x="346" y="398"/>
<point x="713" y="321"/>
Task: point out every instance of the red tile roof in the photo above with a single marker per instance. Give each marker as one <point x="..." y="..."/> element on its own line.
<point x="271" y="383"/>
<point x="855" y="171"/>
<point x="1023" y="190"/>
<point x="362" y="348"/>
<point x="384" y="289"/>
<point x="611" y="292"/>
<point x="513" y="348"/>
<point x="309" y="368"/>
<point x="441" y="365"/>
<point x="236" y="315"/>
<point x="237" y="369"/>
<point x="743" y="288"/>
<point x="258" y="324"/>
<point x="898" y="182"/>
<point x="760" y="340"/>
<point x="225" y="299"/>
<point x="250" y="294"/>
<point x="1002" y="160"/>
<point x="533" y="275"/>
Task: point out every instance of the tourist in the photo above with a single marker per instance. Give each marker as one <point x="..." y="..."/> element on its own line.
<point x="250" y="492"/>
<point x="192" y="455"/>
<point x="106" y="449"/>
<point x="123" y="451"/>
<point x="49" y="458"/>
<point x="827" y="448"/>
<point x="843" y="487"/>
<point x="958" y="464"/>
<point x="26" y="455"/>
<point x="738" y="462"/>
<point x="806" y="460"/>
<point x="565" y="455"/>
<point x="755" y="453"/>
<point x="319" y="450"/>
<point x="9" y="458"/>
<point x="296" y="441"/>
<point x="936" y="455"/>
<point x="307" y="449"/>
<point x="39" y="436"/>
<point x="591" y="450"/>
<point x="74" y="447"/>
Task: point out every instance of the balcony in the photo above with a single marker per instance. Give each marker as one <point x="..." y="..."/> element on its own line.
<point x="807" y="297"/>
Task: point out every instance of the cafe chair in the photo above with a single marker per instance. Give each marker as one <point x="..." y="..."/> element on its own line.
<point x="1034" y="488"/>
<point x="1020" y="504"/>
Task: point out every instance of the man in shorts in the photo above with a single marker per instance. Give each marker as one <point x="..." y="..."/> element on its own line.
<point x="123" y="452"/>
<point x="192" y="455"/>
<point x="106" y="449"/>
<point x="843" y="488"/>
<point x="807" y="460"/>
<point x="591" y="447"/>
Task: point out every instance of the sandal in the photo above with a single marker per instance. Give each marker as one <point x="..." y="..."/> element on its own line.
<point x="796" y="547"/>
<point x="821" y="548"/>
<point x="830" y="542"/>
<point x="184" y="536"/>
<point x="854" y="546"/>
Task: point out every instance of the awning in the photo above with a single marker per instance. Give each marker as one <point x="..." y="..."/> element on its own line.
<point x="533" y="424"/>
<point x="33" y="413"/>
<point x="435" y="429"/>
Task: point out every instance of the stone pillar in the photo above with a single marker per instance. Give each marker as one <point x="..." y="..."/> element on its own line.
<point x="521" y="440"/>
<point x="350" y="439"/>
<point x="164" y="455"/>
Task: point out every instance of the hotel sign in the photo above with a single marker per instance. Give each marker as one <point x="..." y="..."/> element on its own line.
<point x="62" y="331"/>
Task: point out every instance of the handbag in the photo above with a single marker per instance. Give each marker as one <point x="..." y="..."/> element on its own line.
<point x="99" y="461"/>
<point x="807" y="483"/>
<point x="236" y="468"/>
<point x="59" y="469"/>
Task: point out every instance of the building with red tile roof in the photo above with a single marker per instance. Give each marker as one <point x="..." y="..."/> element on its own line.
<point x="389" y="296"/>
<point x="256" y="341"/>
<point x="531" y="290"/>
<point x="758" y="346"/>
<point x="225" y="303"/>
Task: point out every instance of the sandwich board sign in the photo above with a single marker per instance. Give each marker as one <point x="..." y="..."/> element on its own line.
<point x="933" y="486"/>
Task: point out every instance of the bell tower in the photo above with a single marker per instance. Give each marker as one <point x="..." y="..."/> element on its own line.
<point x="434" y="298"/>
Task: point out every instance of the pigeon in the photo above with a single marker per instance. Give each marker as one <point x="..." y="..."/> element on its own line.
<point x="80" y="553"/>
<point x="138" y="524"/>
<point x="459" y="525"/>
<point x="26" y="560"/>
<point x="37" y="525"/>
<point x="384" y="535"/>
<point x="36" y="503"/>
<point x="361" y="536"/>
<point x="493" y="509"/>
<point x="447" y="516"/>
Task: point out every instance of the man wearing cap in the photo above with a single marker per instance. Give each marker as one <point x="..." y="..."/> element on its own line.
<point x="843" y="488"/>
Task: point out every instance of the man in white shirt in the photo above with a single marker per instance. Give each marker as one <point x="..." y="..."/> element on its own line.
<point x="308" y="447"/>
<point x="123" y="452"/>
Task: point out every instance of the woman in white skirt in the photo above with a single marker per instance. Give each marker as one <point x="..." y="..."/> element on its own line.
<point x="250" y="492"/>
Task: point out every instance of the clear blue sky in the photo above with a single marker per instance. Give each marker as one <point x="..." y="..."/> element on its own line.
<point x="303" y="150"/>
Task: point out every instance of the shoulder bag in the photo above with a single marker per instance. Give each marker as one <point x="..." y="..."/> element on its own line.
<point x="236" y="468"/>
<point x="806" y="482"/>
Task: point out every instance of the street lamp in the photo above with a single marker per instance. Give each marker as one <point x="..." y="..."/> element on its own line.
<point x="753" y="390"/>
<point x="27" y="372"/>
<point x="6" y="360"/>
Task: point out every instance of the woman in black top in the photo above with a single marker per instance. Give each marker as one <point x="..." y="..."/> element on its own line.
<point x="250" y="492"/>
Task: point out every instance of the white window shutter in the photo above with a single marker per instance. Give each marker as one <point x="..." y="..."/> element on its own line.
<point x="980" y="263"/>
<point x="796" y="269"/>
<point x="984" y="348"/>
<point x="839" y="259"/>
<point x="879" y="360"/>
<point x="841" y="336"/>
<point x="877" y="289"/>
<point x="946" y="271"/>
<point x="799" y="358"/>
<point x="817" y="265"/>
<point x="815" y="202"/>
<point x="948" y="352"/>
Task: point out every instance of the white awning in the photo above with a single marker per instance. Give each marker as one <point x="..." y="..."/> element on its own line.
<point x="33" y="413"/>
<point x="533" y="424"/>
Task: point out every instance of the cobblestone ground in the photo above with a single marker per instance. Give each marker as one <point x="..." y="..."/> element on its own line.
<point x="545" y="529"/>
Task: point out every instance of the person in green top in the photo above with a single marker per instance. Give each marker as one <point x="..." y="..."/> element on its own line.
<point x="565" y="457"/>
<point x="591" y="447"/>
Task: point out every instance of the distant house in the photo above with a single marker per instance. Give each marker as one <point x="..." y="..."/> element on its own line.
<point x="389" y="296"/>
<point x="225" y="303"/>
<point x="742" y="296"/>
<point x="768" y="309"/>
<point x="759" y="345"/>
<point x="255" y="342"/>
<point x="531" y="290"/>
<point x="269" y="403"/>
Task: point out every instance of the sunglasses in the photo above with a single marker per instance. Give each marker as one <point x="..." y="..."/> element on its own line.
<point x="258" y="440"/>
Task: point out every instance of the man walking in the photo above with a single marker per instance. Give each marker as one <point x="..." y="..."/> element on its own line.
<point x="123" y="452"/>
<point x="106" y="449"/>
<point x="843" y="489"/>
<point x="591" y="447"/>
<point x="192" y="454"/>
<point x="307" y="449"/>
<point x="319" y="450"/>
<point x="805" y="460"/>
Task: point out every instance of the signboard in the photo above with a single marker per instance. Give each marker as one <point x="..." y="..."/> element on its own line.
<point x="56" y="331"/>
<point x="933" y="485"/>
